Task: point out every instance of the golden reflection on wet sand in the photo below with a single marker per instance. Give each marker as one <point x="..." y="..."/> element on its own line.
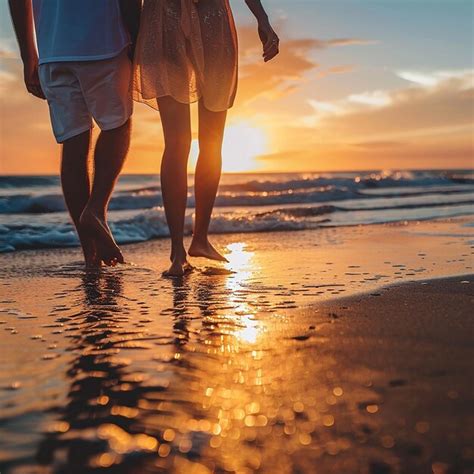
<point x="207" y="373"/>
<point x="209" y="395"/>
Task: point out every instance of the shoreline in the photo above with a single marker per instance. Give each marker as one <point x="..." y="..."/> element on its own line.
<point x="294" y="354"/>
<point x="33" y="212"/>
<point x="462" y="216"/>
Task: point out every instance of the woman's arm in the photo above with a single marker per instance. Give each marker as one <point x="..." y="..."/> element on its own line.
<point x="268" y="37"/>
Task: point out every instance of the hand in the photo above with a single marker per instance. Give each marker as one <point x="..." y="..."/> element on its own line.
<point x="270" y="41"/>
<point x="32" y="81"/>
<point x="131" y="51"/>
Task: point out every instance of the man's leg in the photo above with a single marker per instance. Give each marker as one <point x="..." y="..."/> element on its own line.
<point x="76" y="187"/>
<point x="109" y="157"/>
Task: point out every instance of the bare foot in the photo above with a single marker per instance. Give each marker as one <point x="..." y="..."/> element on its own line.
<point x="179" y="266"/>
<point x="97" y="229"/>
<point x="91" y="254"/>
<point x="206" y="250"/>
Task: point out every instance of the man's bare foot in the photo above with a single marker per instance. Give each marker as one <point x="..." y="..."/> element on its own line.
<point x="98" y="230"/>
<point x="91" y="254"/>
<point x="206" y="250"/>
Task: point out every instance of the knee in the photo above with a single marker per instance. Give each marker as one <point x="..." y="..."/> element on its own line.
<point x="210" y="150"/>
<point x="126" y="128"/>
<point x="178" y="145"/>
<point x="76" y="149"/>
<point x="122" y="130"/>
<point x="117" y="138"/>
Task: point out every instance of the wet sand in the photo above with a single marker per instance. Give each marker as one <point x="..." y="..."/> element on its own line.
<point x="310" y="352"/>
<point x="411" y="345"/>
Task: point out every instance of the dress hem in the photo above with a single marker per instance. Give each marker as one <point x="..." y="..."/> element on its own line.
<point x="152" y="102"/>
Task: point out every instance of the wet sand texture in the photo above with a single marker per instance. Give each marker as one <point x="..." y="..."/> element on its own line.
<point x="240" y="371"/>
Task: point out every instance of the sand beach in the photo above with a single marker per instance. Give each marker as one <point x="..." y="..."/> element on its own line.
<point x="337" y="350"/>
<point x="319" y="154"/>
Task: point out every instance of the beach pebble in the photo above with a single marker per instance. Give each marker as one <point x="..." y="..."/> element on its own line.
<point x="50" y="356"/>
<point x="303" y="337"/>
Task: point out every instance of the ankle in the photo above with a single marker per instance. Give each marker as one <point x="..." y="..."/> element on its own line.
<point x="97" y="211"/>
<point x="178" y="252"/>
<point x="200" y="239"/>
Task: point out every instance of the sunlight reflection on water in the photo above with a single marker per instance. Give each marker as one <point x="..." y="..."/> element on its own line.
<point x="242" y="263"/>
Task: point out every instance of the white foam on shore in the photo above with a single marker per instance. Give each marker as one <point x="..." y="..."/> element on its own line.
<point x="32" y="211"/>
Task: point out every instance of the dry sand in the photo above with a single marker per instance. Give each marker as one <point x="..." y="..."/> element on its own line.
<point x="249" y="367"/>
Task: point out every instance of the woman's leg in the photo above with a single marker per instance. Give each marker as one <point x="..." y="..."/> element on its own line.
<point x="176" y="121"/>
<point x="208" y="174"/>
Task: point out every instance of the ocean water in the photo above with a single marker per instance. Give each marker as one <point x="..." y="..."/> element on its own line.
<point x="33" y="215"/>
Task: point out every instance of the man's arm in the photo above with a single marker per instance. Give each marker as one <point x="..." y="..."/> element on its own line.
<point x="131" y="10"/>
<point x="22" y="17"/>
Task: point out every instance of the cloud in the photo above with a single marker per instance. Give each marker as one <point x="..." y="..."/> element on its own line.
<point x="379" y="145"/>
<point x="340" y="69"/>
<point x="349" y="42"/>
<point x="372" y="98"/>
<point x="7" y="80"/>
<point x="282" y="75"/>
<point x="433" y="79"/>
<point x="417" y="126"/>
<point x="448" y="102"/>
<point x="315" y="43"/>
<point x="7" y="54"/>
<point x="422" y="152"/>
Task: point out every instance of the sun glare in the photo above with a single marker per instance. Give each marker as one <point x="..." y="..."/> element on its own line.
<point x="242" y="144"/>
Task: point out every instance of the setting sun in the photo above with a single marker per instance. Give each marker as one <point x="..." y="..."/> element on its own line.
<point x="242" y="144"/>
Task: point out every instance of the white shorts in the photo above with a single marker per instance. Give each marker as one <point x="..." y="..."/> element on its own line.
<point x="79" y="91"/>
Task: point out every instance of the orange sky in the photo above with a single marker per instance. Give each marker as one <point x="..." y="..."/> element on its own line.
<point x="323" y="104"/>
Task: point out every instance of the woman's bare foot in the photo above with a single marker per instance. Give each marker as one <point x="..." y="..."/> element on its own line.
<point x="97" y="229"/>
<point x="178" y="270"/>
<point x="179" y="265"/>
<point x="205" y="249"/>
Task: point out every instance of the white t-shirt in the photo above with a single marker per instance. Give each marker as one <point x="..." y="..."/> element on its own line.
<point x="78" y="30"/>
